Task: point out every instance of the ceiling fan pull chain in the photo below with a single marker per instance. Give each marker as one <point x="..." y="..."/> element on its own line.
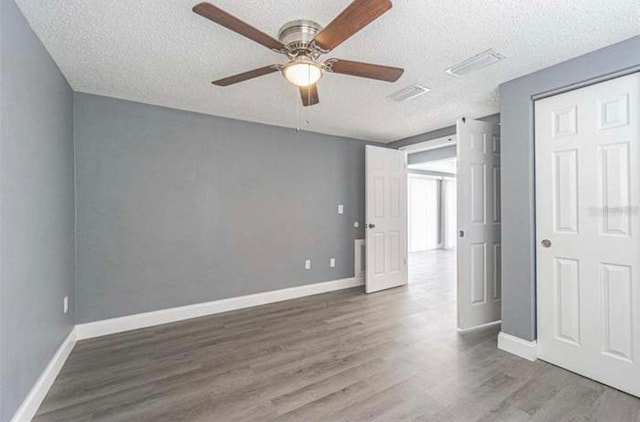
<point x="297" y="113"/>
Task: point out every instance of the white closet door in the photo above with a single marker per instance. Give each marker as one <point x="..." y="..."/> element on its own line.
<point x="588" y="231"/>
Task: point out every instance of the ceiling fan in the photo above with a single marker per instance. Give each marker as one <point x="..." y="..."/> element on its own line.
<point x="303" y="42"/>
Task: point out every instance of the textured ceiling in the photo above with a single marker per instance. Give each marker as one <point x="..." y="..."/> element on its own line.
<point x="159" y="52"/>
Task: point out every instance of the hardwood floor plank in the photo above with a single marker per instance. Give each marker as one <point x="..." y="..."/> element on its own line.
<point x="342" y="356"/>
<point x="576" y="401"/>
<point x="617" y="406"/>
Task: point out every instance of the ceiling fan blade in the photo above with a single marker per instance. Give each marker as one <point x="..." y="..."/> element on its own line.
<point x="365" y="70"/>
<point x="309" y="95"/>
<point x="356" y="16"/>
<point x="241" y="77"/>
<point x="223" y="18"/>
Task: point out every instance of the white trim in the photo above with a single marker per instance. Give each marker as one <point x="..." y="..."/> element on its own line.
<point x="424" y="176"/>
<point x="164" y="316"/>
<point x="32" y="402"/>
<point x="517" y="346"/>
<point x="358" y="254"/>
<point x="479" y="327"/>
<point x="584" y="83"/>
<point x="445" y="141"/>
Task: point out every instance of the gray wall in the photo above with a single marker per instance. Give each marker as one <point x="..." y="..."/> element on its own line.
<point x="518" y="213"/>
<point x="37" y="208"/>
<point x="432" y="155"/>
<point x="435" y="134"/>
<point x="176" y="208"/>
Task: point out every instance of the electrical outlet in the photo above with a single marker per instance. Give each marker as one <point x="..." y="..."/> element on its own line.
<point x="340" y="209"/>
<point x="307" y="264"/>
<point x="332" y="262"/>
<point x="65" y="304"/>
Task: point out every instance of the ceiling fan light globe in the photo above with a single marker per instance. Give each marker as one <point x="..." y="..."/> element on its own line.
<point x="302" y="73"/>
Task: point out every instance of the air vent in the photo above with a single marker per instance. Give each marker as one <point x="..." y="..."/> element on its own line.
<point x="409" y="93"/>
<point x="476" y="62"/>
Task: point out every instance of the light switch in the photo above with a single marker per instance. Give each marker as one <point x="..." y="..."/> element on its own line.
<point x="340" y="209"/>
<point x="332" y="262"/>
<point x="307" y="264"/>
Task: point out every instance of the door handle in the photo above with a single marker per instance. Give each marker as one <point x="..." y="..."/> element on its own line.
<point x="546" y="243"/>
<point x="372" y="226"/>
<point x="461" y="233"/>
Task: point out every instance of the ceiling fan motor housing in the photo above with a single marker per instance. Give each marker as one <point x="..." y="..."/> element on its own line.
<point x="297" y="35"/>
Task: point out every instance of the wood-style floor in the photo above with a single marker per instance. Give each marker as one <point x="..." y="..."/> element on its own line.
<point x="342" y="356"/>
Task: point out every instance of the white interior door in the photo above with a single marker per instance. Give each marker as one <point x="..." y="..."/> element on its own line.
<point x="588" y="231"/>
<point x="479" y="284"/>
<point x="386" y="218"/>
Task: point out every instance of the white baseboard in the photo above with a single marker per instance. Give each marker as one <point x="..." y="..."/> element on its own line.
<point x="32" y="402"/>
<point x="517" y="346"/>
<point x="164" y="316"/>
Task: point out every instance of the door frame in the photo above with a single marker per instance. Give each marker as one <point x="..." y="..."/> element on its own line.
<point x="431" y="144"/>
<point x="540" y="96"/>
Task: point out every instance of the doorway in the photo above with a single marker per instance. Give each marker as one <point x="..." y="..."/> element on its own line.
<point x="456" y="217"/>
<point x="432" y="215"/>
<point x="432" y="222"/>
<point x="472" y="158"/>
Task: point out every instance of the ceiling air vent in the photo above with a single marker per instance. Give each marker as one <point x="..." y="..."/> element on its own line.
<point x="409" y="93"/>
<point x="476" y="62"/>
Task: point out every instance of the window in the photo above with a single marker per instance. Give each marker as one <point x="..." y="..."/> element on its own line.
<point x="432" y="213"/>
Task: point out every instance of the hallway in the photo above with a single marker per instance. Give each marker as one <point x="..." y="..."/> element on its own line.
<point x="432" y="276"/>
